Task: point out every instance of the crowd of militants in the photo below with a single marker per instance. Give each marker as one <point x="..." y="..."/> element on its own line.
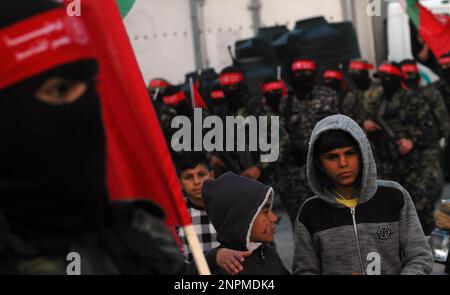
<point x="336" y="139"/>
<point x="407" y="123"/>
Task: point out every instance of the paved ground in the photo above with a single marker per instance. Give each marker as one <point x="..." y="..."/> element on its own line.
<point x="285" y="244"/>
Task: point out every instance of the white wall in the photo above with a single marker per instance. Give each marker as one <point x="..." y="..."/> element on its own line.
<point x="363" y="25"/>
<point x="161" y="34"/>
<point x="161" y="31"/>
<point x="287" y="12"/>
<point x="225" y="21"/>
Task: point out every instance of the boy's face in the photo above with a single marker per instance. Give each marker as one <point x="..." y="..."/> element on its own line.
<point x="263" y="229"/>
<point x="342" y="165"/>
<point x="192" y="181"/>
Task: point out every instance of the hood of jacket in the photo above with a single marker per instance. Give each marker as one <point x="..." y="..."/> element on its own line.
<point x="232" y="203"/>
<point x="319" y="182"/>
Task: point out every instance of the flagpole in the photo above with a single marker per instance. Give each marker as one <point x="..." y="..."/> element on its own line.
<point x="196" y="250"/>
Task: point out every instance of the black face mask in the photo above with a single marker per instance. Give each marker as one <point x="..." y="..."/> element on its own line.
<point x="391" y="84"/>
<point x="235" y="97"/>
<point x="184" y="108"/>
<point x="412" y="81"/>
<point x="303" y="83"/>
<point x="218" y="102"/>
<point x="361" y="80"/>
<point x="334" y="84"/>
<point x="273" y="99"/>
<point x="52" y="167"/>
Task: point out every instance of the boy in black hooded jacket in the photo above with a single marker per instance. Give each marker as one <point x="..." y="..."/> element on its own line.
<point x="241" y="211"/>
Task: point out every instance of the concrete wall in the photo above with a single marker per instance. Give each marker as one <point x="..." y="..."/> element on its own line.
<point x="161" y="30"/>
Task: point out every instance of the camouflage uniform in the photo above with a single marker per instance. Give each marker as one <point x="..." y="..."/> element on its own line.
<point x="441" y="119"/>
<point x="355" y="103"/>
<point x="165" y="115"/>
<point x="300" y="118"/>
<point x="272" y="171"/>
<point x="408" y="116"/>
<point x="237" y="161"/>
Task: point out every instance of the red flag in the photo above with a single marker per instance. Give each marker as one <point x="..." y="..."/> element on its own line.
<point x="139" y="164"/>
<point x="435" y="30"/>
<point x="199" y="102"/>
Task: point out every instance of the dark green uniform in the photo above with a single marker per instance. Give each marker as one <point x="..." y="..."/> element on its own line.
<point x="408" y="116"/>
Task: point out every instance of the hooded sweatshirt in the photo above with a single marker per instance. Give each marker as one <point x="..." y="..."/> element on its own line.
<point x="232" y="203"/>
<point x="381" y="235"/>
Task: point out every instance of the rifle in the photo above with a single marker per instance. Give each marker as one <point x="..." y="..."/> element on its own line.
<point x="391" y="151"/>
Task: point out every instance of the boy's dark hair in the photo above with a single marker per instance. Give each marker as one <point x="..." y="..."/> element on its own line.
<point x="190" y="160"/>
<point x="332" y="139"/>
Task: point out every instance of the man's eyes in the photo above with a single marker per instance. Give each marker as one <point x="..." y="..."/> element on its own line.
<point x="57" y="91"/>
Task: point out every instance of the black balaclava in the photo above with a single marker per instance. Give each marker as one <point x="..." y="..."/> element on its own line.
<point x="390" y="82"/>
<point x="359" y="73"/>
<point x="237" y="93"/>
<point x="361" y="79"/>
<point x="411" y="78"/>
<point x="304" y="82"/>
<point x="52" y="157"/>
<point x="334" y="84"/>
<point x="183" y="108"/>
<point x="273" y="97"/>
<point x="303" y="79"/>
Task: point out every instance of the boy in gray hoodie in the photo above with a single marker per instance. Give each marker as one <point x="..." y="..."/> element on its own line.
<point x="355" y="224"/>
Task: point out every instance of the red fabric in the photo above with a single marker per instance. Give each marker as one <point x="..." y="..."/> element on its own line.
<point x="271" y="86"/>
<point x="199" y="102"/>
<point x="444" y="60"/>
<point x="231" y="79"/>
<point x="303" y="65"/>
<point x="360" y="66"/>
<point x="40" y="43"/>
<point x="410" y="68"/>
<point x="139" y="164"/>
<point x="156" y="83"/>
<point x="276" y="85"/>
<point x="333" y="75"/>
<point x="390" y="69"/>
<point x="217" y="94"/>
<point x="435" y="30"/>
<point x="174" y="99"/>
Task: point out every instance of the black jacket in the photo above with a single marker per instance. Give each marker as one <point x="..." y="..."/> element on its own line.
<point x="232" y="203"/>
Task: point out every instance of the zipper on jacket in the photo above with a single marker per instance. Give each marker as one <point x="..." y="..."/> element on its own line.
<point x="353" y="212"/>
